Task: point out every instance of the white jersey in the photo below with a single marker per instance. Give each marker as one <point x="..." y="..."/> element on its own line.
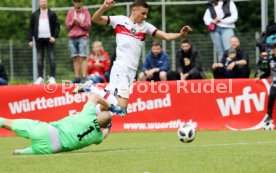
<point x="130" y="38"/>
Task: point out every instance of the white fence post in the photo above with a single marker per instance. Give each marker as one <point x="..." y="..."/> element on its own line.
<point x="35" y="72"/>
<point x="257" y="35"/>
<point x="173" y="58"/>
<point x="164" y="23"/>
<point x="274" y="10"/>
<point x="128" y="9"/>
<point x="264" y="14"/>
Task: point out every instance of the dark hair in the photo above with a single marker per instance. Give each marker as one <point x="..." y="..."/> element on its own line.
<point x="273" y="46"/>
<point x="140" y="3"/>
<point x="77" y="0"/>
<point x="232" y="51"/>
<point x="185" y="40"/>
<point x="156" y="43"/>
<point x="215" y="2"/>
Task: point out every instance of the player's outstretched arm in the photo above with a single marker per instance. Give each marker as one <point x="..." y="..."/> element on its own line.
<point x="97" y="99"/>
<point x="98" y="15"/>
<point x="173" y="36"/>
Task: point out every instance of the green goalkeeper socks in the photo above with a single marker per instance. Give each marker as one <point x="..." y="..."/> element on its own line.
<point x="1" y="122"/>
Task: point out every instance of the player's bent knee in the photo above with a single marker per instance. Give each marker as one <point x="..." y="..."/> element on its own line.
<point x="141" y="76"/>
<point x="163" y="75"/>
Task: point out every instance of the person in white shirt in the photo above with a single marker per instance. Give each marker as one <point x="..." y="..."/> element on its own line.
<point x="131" y="33"/>
<point x="222" y="14"/>
<point x="44" y="29"/>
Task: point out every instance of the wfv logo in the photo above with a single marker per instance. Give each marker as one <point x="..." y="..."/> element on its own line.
<point x="234" y="104"/>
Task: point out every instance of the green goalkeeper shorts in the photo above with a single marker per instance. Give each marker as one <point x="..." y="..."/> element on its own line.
<point x="40" y="133"/>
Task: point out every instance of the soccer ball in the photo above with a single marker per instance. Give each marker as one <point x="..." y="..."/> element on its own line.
<point x="186" y="133"/>
<point x="269" y="126"/>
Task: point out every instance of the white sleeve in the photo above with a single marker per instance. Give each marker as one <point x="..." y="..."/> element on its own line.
<point x="151" y="29"/>
<point x="114" y="20"/>
<point x="234" y="14"/>
<point x="207" y="17"/>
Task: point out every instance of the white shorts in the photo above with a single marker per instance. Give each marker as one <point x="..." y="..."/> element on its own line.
<point x="121" y="79"/>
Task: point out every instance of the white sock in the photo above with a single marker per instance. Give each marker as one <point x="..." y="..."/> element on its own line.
<point x="96" y="90"/>
<point x="110" y="98"/>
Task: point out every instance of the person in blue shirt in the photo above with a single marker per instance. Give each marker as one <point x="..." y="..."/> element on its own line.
<point x="156" y="64"/>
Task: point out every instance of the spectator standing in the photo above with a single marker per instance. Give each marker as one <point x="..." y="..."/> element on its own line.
<point x="3" y="75"/>
<point x="188" y="62"/>
<point x="44" y="27"/>
<point x="233" y="67"/>
<point x="78" y="24"/>
<point x="98" y="63"/>
<point x="156" y="64"/>
<point x="220" y="17"/>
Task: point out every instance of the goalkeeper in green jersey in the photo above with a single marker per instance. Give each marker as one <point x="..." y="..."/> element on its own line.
<point x="70" y="133"/>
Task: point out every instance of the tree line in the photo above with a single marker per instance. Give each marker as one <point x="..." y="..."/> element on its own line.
<point x="15" y="24"/>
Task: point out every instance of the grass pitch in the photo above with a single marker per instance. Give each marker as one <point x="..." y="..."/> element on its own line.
<point x="153" y="152"/>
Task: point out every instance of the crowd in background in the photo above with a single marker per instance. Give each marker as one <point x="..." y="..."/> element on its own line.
<point x="220" y="17"/>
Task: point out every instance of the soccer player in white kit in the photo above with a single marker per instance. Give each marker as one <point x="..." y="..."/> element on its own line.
<point x="131" y="33"/>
